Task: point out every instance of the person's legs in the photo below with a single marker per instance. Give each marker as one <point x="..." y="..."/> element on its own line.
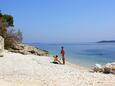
<point x="63" y="59"/>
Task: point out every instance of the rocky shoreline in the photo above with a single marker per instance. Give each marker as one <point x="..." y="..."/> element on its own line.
<point x="27" y="50"/>
<point x="24" y="49"/>
<point x="32" y="70"/>
<point x="19" y="67"/>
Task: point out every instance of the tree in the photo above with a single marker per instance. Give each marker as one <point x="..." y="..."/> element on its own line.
<point x="11" y="36"/>
<point x="2" y="27"/>
<point x="8" y="20"/>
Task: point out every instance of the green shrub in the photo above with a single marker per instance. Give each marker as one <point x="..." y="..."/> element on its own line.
<point x="11" y="36"/>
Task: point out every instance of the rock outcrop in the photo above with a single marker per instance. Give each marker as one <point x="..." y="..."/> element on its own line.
<point x="1" y="46"/>
<point x="27" y="49"/>
<point x="108" y="68"/>
<point x="98" y="68"/>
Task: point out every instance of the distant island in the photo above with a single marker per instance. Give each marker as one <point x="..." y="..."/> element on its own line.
<point x="106" y="41"/>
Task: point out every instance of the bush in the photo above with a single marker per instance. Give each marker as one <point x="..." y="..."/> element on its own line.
<point x="11" y="37"/>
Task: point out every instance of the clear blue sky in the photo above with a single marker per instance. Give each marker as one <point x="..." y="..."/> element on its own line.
<point x="55" y="21"/>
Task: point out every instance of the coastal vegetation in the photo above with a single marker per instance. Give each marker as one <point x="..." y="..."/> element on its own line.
<point x="13" y="38"/>
<point x="7" y="31"/>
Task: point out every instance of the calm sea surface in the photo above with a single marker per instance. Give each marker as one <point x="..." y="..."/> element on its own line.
<point x="85" y="54"/>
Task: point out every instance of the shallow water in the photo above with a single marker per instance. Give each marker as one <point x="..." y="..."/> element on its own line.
<point x="85" y="54"/>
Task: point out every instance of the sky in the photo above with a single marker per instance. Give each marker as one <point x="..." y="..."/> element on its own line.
<point x="62" y="21"/>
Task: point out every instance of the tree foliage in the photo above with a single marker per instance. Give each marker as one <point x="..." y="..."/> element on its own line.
<point x="8" y="20"/>
<point x="7" y="31"/>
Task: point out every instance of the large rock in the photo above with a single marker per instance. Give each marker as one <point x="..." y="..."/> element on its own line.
<point x="27" y="49"/>
<point x="107" y="68"/>
<point x="1" y="46"/>
<point x="98" y="68"/>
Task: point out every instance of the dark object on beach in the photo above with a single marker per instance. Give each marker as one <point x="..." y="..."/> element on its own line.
<point x="107" y="70"/>
<point x="55" y="62"/>
<point x="1" y="55"/>
<point x="98" y="68"/>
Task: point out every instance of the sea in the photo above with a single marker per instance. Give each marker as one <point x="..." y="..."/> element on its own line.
<point x="84" y="54"/>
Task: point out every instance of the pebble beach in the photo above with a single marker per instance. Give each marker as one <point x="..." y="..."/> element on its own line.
<point x="31" y="70"/>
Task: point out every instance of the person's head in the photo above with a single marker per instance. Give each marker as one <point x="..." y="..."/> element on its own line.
<point x="56" y="56"/>
<point x="62" y="47"/>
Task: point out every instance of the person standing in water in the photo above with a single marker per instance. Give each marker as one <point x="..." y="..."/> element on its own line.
<point x="63" y="54"/>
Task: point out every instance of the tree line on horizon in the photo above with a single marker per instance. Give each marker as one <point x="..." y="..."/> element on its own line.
<point x="7" y="31"/>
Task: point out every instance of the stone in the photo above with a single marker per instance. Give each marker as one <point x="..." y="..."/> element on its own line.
<point x="107" y="70"/>
<point x="110" y="68"/>
<point x="1" y="46"/>
<point x="98" y="68"/>
<point x="27" y="49"/>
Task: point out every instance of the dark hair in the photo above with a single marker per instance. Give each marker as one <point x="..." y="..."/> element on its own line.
<point x="62" y="47"/>
<point x="56" y="55"/>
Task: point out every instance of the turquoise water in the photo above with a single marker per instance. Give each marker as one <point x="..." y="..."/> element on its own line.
<point x="85" y="54"/>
